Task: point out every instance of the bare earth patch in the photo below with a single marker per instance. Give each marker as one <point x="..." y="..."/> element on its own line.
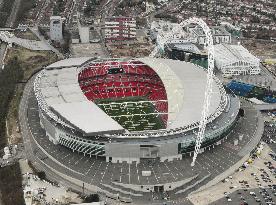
<point x="31" y="61"/>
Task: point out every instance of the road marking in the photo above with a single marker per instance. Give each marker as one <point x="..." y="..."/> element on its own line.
<point x="90" y="168"/>
<point x="79" y="160"/>
<point x="96" y="172"/>
<point x="104" y="172"/>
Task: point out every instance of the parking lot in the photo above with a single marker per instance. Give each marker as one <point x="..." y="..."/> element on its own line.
<point x="259" y="188"/>
<point x="249" y="196"/>
<point x="255" y="184"/>
<point x="269" y="135"/>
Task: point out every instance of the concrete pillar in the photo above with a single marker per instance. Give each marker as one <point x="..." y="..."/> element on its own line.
<point x="240" y="137"/>
<point x="187" y="57"/>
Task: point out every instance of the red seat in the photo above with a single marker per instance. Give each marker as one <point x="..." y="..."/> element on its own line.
<point x="138" y="79"/>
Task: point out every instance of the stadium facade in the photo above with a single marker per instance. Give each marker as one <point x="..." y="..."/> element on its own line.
<point x="129" y="109"/>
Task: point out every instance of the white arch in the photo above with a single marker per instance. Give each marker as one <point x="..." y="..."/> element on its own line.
<point x="208" y="91"/>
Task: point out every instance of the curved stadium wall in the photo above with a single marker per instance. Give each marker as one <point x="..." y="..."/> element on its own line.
<point x="163" y="144"/>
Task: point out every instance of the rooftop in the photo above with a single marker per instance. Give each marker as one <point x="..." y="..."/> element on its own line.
<point x="216" y="30"/>
<point x="185" y="86"/>
<point x="62" y="93"/>
<point x="229" y="54"/>
<point x="186" y="46"/>
<point x="87" y="117"/>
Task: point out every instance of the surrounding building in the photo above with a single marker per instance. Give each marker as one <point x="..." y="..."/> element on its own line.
<point x="187" y="51"/>
<point x="235" y="60"/>
<point x="56" y="28"/>
<point x="192" y="34"/>
<point x="83" y="30"/>
<point x="94" y="36"/>
<point x="161" y="28"/>
<point x="75" y="37"/>
<point x="182" y="51"/>
<point x="120" y="28"/>
<point x="220" y="35"/>
<point x="84" y="34"/>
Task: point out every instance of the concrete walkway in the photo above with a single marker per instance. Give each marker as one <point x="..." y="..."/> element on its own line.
<point x="271" y="106"/>
<point x="36" y="32"/>
<point x="26" y="43"/>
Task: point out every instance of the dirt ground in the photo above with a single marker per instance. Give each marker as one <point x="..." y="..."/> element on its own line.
<point x="26" y="35"/>
<point x="135" y="50"/>
<point x="13" y="131"/>
<point x="87" y="50"/>
<point x="30" y="61"/>
<point x="261" y="49"/>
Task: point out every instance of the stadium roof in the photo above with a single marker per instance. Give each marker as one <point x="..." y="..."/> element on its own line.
<point x="87" y="117"/>
<point x="61" y="86"/>
<point x="233" y="56"/>
<point x="62" y="93"/>
<point x="185" y="85"/>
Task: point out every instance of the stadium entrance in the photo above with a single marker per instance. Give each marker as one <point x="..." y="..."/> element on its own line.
<point x="115" y="70"/>
<point x="159" y="189"/>
<point x="149" y="151"/>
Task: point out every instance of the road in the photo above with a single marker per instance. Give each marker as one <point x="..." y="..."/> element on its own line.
<point x="3" y="47"/>
<point x="261" y="107"/>
<point x="9" y="23"/>
<point x="40" y="13"/>
<point x="36" y="32"/>
<point x="12" y="18"/>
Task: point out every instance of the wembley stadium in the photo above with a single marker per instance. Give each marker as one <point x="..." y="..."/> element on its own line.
<point x="129" y="109"/>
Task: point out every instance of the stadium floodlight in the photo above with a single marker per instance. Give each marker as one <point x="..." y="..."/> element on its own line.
<point x="162" y="39"/>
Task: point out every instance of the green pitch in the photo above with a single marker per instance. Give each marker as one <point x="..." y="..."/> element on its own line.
<point x="132" y="113"/>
